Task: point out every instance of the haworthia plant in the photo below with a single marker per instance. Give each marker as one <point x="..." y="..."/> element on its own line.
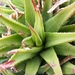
<point x="37" y="37"/>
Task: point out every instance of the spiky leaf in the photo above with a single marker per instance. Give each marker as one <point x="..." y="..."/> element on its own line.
<point x="51" y="58"/>
<point x="54" y="23"/>
<point x="16" y="26"/>
<point x="58" y="38"/>
<point x="31" y="67"/>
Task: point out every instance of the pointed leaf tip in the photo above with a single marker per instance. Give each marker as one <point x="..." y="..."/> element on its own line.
<point x="35" y="6"/>
<point x="30" y="27"/>
<point x="7" y="64"/>
<point x="34" y="3"/>
<point x="36" y="38"/>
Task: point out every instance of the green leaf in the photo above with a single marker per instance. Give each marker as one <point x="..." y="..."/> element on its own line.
<point x="22" y="19"/>
<point x="65" y="49"/>
<point x="47" y="6"/>
<point x="2" y="29"/>
<point x="18" y="3"/>
<point x="38" y="26"/>
<point x="50" y="71"/>
<point x="31" y="67"/>
<point x="5" y="49"/>
<point x="16" y="26"/>
<point x="20" y="57"/>
<point x="53" y="39"/>
<point x="68" y="68"/>
<point x="28" y="42"/>
<point x="68" y="28"/>
<point x="50" y="57"/>
<point x="23" y="54"/>
<point x="20" y="67"/>
<point x="71" y="1"/>
<point x="29" y="12"/>
<point x="26" y="50"/>
<point x="5" y="10"/>
<point x="54" y="23"/>
<point x="3" y="59"/>
<point x="11" y="41"/>
<point x="43" y="68"/>
<point x="35" y="36"/>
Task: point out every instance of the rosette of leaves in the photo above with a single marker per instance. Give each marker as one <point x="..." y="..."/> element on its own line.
<point x="37" y="37"/>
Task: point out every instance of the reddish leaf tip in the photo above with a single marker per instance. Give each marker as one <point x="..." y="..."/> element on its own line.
<point x="7" y="64"/>
<point x="35" y="6"/>
<point x="30" y="27"/>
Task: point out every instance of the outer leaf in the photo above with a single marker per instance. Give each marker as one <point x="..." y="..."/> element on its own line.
<point x="23" y="55"/>
<point x="5" y="49"/>
<point x="18" y="27"/>
<point x="29" y="12"/>
<point x="31" y="67"/>
<point x="54" y="23"/>
<point x="65" y="49"/>
<point x="52" y="61"/>
<point x="20" y="57"/>
<point x="11" y="41"/>
<point x="26" y="50"/>
<point x="68" y="68"/>
<point x="58" y="38"/>
<point x="47" y="6"/>
<point x="68" y="28"/>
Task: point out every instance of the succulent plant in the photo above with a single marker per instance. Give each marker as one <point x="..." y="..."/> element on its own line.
<point x="37" y="37"/>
